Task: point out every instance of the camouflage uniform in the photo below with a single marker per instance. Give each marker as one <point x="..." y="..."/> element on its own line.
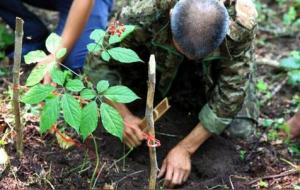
<point x="228" y="83"/>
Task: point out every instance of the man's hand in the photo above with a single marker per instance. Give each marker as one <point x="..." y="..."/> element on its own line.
<point x="132" y="135"/>
<point x="47" y="78"/>
<point x="294" y="125"/>
<point x="176" y="167"/>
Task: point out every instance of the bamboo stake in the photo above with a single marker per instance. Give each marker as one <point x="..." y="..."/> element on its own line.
<point x="150" y="121"/>
<point x="16" y="83"/>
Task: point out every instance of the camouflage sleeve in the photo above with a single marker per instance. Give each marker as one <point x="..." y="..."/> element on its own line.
<point x="234" y="71"/>
<point x="141" y="12"/>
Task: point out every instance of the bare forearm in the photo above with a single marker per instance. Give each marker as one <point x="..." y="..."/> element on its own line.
<point x="78" y="16"/>
<point x="195" y="138"/>
<point x="122" y="108"/>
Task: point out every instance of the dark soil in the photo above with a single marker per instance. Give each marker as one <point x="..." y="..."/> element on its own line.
<point x="212" y="164"/>
<point x="216" y="165"/>
<point x="43" y="159"/>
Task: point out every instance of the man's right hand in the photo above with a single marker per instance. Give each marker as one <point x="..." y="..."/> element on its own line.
<point x="132" y="134"/>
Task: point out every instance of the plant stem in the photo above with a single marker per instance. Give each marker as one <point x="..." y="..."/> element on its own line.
<point x="97" y="164"/>
<point x="150" y="122"/>
<point x="69" y="69"/>
<point x="124" y="160"/>
<point x="16" y="83"/>
<point x="120" y="159"/>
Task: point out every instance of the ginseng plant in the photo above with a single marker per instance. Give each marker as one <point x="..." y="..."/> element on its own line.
<point x="73" y="102"/>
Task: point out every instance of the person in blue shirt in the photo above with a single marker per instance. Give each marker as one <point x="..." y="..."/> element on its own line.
<point x="77" y="19"/>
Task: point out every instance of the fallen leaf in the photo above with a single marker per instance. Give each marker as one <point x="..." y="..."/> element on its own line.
<point x="3" y="156"/>
<point x="65" y="142"/>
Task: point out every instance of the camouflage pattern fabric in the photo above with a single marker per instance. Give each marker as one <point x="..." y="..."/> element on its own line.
<point x="228" y="72"/>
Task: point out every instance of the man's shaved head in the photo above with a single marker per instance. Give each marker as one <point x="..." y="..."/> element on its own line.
<point x="199" y="26"/>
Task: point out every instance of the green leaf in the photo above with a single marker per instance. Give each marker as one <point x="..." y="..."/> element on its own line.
<point x="93" y="47"/>
<point x="71" y="111"/>
<point x="290" y="16"/>
<point x="294" y="149"/>
<point x="37" y="94"/>
<point x="290" y="63"/>
<point x="120" y="94"/>
<point x="75" y="85"/>
<point x="98" y="36"/>
<point x="124" y="55"/>
<point x="68" y="74"/>
<point x="58" y="76"/>
<point x="50" y="114"/>
<point x="89" y="120"/>
<point x="6" y="37"/>
<point x="105" y="56"/>
<point x="34" y="56"/>
<point x="295" y="54"/>
<point x="61" y="53"/>
<point x="294" y="77"/>
<point x="53" y="42"/>
<point x="263" y="184"/>
<point x="88" y="94"/>
<point x="2" y="142"/>
<point x="262" y="86"/>
<point x="116" y="39"/>
<point x="112" y="120"/>
<point x="297" y="187"/>
<point x="267" y="122"/>
<point x="38" y="73"/>
<point x="102" y="86"/>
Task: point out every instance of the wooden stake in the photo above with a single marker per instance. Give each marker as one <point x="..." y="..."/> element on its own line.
<point x="150" y="121"/>
<point x="158" y="112"/>
<point x="16" y="83"/>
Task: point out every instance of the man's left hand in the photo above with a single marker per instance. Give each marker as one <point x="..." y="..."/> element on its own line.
<point x="176" y="167"/>
<point x="47" y="78"/>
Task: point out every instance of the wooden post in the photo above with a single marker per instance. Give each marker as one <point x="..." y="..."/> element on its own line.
<point x="150" y="121"/>
<point x="16" y="83"/>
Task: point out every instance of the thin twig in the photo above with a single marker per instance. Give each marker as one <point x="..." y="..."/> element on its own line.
<point x="150" y="122"/>
<point x="16" y="83"/>
<point x="120" y="159"/>
<point x="268" y="62"/>
<point x="231" y="184"/>
<point x="283" y="174"/>
<point x="218" y="187"/>
<point x="99" y="173"/>
<point x="97" y="163"/>
<point x="295" y="170"/>
<point x="69" y="69"/>
<point x="129" y="175"/>
<point x="290" y="163"/>
<point x="275" y="91"/>
<point x="168" y="135"/>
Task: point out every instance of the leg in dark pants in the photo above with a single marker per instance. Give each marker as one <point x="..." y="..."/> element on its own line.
<point x="35" y="29"/>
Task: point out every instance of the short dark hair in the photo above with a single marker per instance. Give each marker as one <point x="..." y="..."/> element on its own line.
<point x="199" y="26"/>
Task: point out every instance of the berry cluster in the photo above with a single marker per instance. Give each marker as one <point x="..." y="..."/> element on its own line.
<point x="117" y="28"/>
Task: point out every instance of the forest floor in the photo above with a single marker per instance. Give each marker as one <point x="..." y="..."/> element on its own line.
<point x="221" y="163"/>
